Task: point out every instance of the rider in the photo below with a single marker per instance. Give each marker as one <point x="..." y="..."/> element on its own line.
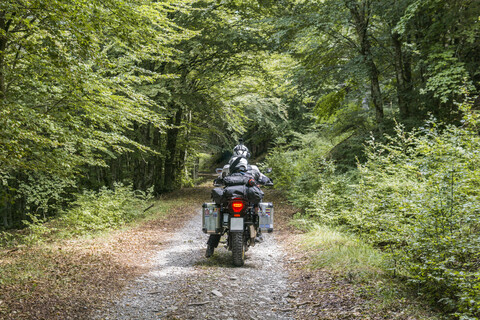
<point x="242" y="165"/>
<point x="238" y="163"/>
<point x="240" y="150"/>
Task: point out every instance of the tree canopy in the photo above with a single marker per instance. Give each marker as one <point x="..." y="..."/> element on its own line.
<point x="140" y="92"/>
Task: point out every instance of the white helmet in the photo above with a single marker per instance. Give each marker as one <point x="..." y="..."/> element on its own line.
<point x="241" y="151"/>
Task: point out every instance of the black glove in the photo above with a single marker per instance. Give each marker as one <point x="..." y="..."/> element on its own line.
<point x="266" y="181"/>
<point x="269" y="182"/>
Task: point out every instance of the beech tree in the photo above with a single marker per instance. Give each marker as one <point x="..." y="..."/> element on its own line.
<point x="68" y="73"/>
<point x="416" y="57"/>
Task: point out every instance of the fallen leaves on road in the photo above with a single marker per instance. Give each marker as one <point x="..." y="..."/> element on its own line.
<point x="70" y="279"/>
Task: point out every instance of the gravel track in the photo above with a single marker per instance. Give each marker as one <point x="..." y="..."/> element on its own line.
<point x="183" y="284"/>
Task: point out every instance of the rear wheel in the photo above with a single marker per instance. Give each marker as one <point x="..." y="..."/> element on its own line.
<point x="238" y="249"/>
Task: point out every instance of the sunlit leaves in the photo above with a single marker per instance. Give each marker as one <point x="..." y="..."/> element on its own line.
<point x="447" y="76"/>
<point x="69" y="68"/>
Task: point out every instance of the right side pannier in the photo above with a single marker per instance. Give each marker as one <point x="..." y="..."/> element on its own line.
<point x="265" y="214"/>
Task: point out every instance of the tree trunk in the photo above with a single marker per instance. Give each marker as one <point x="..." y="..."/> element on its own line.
<point x="171" y="150"/>
<point x="402" y="87"/>
<point x="195" y="169"/>
<point x="360" y="14"/>
<point x="113" y="172"/>
<point x="5" y="219"/>
<point x="158" y="173"/>
<point x="150" y="171"/>
<point x="7" y="216"/>
<point x="3" y="47"/>
<point x="409" y="89"/>
<point x="3" y="207"/>
<point x="184" y="153"/>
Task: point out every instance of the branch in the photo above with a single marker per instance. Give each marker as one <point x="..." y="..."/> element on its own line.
<point x="349" y="40"/>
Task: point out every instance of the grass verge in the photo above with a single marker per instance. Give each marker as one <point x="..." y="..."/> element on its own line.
<point x="349" y="265"/>
<point x="342" y="253"/>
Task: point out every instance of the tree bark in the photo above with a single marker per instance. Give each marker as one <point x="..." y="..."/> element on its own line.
<point x="3" y="46"/>
<point x="158" y="173"/>
<point x="184" y="153"/>
<point x="400" y="73"/>
<point x="360" y="15"/>
<point x="171" y="150"/>
<point x="3" y="207"/>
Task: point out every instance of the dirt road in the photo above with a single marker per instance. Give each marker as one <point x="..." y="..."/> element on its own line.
<point x="183" y="284"/>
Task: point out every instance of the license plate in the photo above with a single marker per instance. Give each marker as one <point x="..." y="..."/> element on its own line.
<point x="236" y="224"/>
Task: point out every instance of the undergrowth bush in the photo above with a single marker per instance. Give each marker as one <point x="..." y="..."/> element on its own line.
<point x="416" y="198"/>
<point x="91" y="212"/>
<point x="102" y="210"/>
<point x="294" y="168"/>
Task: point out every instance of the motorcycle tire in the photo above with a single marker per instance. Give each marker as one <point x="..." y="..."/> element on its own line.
<point x="238" y="249"/>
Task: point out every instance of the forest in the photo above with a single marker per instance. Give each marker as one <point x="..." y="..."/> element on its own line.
<point x="367" y="111"/>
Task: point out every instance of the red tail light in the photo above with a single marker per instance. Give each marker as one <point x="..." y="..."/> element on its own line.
<point x="237" y="206"/>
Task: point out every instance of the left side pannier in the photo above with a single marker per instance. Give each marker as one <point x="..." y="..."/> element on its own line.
<point x="211" y="218"/>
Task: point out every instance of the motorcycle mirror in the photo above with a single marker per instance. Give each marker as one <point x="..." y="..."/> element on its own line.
<point x="269" y="170"/>
<point x="219" y="170"/>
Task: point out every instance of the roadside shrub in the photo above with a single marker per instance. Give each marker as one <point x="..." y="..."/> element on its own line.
<point x="302" y="169"/>
<point x="102" y="210"/>
<point x="91" y="212"/>
<point x="418" y="198"/>
<point x="28" y="193"/>
<point x="44" y="194"/>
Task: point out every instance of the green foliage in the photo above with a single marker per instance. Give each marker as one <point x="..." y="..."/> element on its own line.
<point x="419" y="52"/>
<point x="67" y="72"/>
<point x="44" y="194"/>
<point x="447" y="76"/>
<point x="327" y="105"/>
<point x="415" y="198"/>
<point x="256" y="100"/>
<point x="70" y="73"/>
<point x="301" y="169"/>
<point x="35" y="231"/>
<point x="103" y="210"/>
<point x="91" y="212"/>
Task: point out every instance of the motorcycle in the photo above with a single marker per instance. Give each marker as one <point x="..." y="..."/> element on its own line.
<point x="238" y="213"/>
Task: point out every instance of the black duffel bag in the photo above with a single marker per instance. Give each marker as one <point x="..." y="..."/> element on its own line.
<point x="251" y="194"/>
<point x="236" y="179"/>
<point x="235" y="192"/>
